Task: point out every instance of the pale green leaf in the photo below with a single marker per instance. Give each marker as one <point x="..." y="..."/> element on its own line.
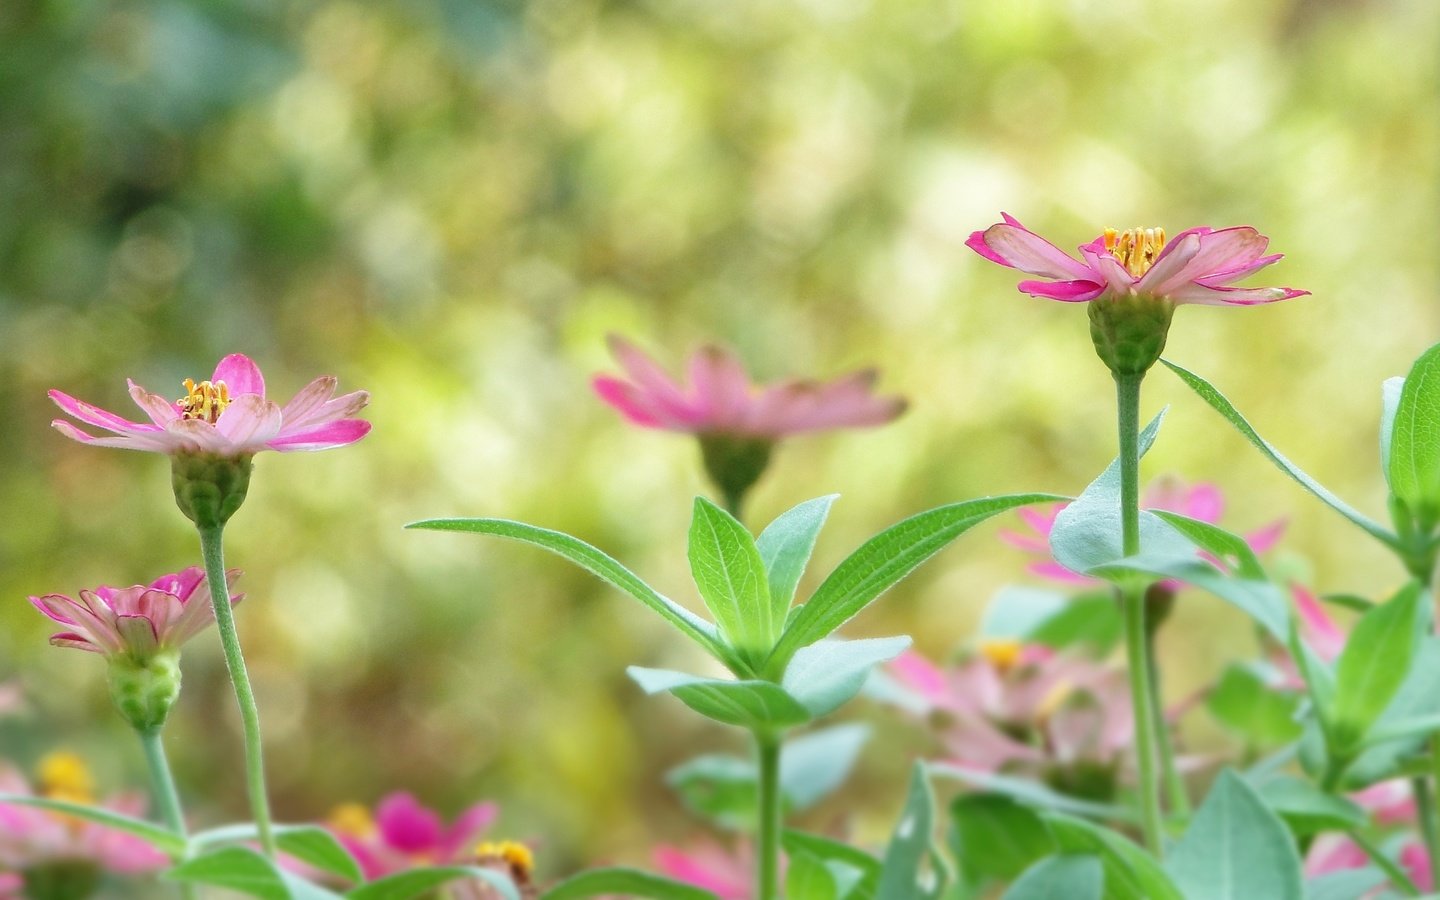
<point x="732" y="580"/>
<point x="749" y="704"/>
<point x="785" y="546"/>
<point x="1236" y="848"/>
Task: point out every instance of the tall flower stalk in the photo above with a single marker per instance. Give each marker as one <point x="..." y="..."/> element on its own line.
<point x="1133" y="281"/>
<point x="211" y="436"/>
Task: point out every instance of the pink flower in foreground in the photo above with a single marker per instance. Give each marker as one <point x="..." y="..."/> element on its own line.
<point x="228" y="416"/>
<point x="1199" y="265"/>
<point x="725" y="873"/>
<point x="32" y="838"/>
<point x="140" y="621"/>
<point x="721" y="400"/>
<point x="1024" y="709"/>
<point x="402" y="834"/>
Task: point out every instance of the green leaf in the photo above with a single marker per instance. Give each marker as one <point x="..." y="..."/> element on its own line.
<point x="1418" y="697"/>
<point x="1070" y="877"/>
<point x="1389" y="401"/>
<point x="993" y="836"/>
<point x="246" y="871"/>
<point x="1091" y="621"/>
<point x="1374" y="663"/>
<point x="1344" y="885"/>
<point x="835" y="853"/>
<point x="731" y="577"/>
<point x="624" y="882"/>
<point x="1130" y="873"/>
<point x="901" y="875"/>
<point x="1032" y="793"/>
<point x="415" y="882"/>
<point x="785" y="546"/>
<point x="749" y="704"/>
<point x="881" y="562"/>
<point x="722" y="787"/>
<point x="1309" y="810"/>
<point x="308" y="843"/>
<point x="1414" y="464"/>
<point x="1218" y="403"/>
<point x="1235" y="849"/>
<point x="807" y="878"/>
<point x="164" y="840"/>
<point x="824" y="675"/>
<point x="1231" y="549"/>
<point x="1244" y="702"/>
<point x="601" y="566"/>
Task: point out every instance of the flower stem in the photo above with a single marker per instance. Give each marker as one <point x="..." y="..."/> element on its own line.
<point x="166" y="797"/>
<point x="1176" y="797"/>
<point x="1127" y="403"/>
<point x="767" y="867"/>
<point x="1399" y="879"/>
<point x="210" y="547"/>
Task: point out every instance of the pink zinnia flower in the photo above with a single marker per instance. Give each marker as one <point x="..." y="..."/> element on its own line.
<point x="728" y="874"/>
<point x="34" y="838"/>
<point x="228" y="416"/>
<point x="139" y="621"/>
<point x="402" y="834"/>
<point x="720" y="399"/>
<point x="1199" y="265"/>
<point x="1024" y="709"/>
<point x="1388" y="802"/>
<point x="1201" y="501"/>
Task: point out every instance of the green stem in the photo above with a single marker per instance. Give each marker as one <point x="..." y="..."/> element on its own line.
<point x="767" y="868"/>
<point x="734" y="502"/>
<point x="1425" y="810"/>
<point x="1398" y="877"/>
<point x="166" y="797"/>
<point x="210" y="547"/>
<point x="1127" y="403"/>
<point x="1175" y="794"/>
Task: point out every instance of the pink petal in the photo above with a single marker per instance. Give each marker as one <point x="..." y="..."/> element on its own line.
<point x="310" y="398"/>
<point x="406" y="825"/>
<point x="1219" y="279"/>
<point x="632" y="403"/>
<point x="647" y="376"/>
<point x="94" y="415"/>
<point x="1202" y="295"/>
<point x="76" y="641"/>
<point x="197" y="434"/>
<point x="160" y="410"/>
<point x="1012" y="244"/>
<point x="240" y="375"/>
<point x="1226" y="250"/>
<point x="1320" y="630"/>
<point x="250" y="421"/>
<point x="1171" y="268"/>
<point x="1263" y="539"/>
<point x="1114" y="275"/>
<point x="322" y="437"/>
<point x="466" y="829"/>
<point x="1066" y="291"/>
<point x="158" y="443"/>
<point x="919" y="674"/>
<point x="719" y="388"/>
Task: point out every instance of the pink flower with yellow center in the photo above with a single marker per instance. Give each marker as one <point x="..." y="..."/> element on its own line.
<point x="720" y="398"/>
<point x="228" y="416"/>
<point x="139" y="621"/>
<point x="1198" y="265"/>
<point x="402" y="834"/>
<point x="32" y="838"/>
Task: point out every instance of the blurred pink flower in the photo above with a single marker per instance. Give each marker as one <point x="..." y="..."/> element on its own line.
<point x="1389" y="803"/>
<point x="720" y="400"/>
<point x="1198" y="265"/>
<point x="228" y="415"/>
<point x="139" y="621"/>
<point x="1202" y="501"/>
<point x="1024" y="709"/>
<point x="729" y="874"/>
<point x="1320" y="633"/>
<point x="32" y="838"/>
<point x="402" y="834"/>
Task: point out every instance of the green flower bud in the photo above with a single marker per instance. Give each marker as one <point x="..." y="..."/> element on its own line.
<point x="143" y="690"/>
<point x="209" y="488"/>
<point x="735" y="463"/>
<point x="1129" y="330"/>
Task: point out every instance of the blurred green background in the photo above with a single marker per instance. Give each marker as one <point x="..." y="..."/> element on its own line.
<point x="451" y="202"/>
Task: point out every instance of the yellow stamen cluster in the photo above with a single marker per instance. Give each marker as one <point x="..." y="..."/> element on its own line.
<point x="1003" y="654"/>
<point x="205" y="400"/>
<point x="352" y="820"/>
<point x="1137" y="249"/>
<point x="515" y="855"/>
<point x="64" y="776"/>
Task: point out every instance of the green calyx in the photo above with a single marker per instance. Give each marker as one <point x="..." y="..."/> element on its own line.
<point x="209" y="488"/>
<point x="143" y="690"/>
<point x="735" y="463"/>
<point x="1129" y="331"/>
